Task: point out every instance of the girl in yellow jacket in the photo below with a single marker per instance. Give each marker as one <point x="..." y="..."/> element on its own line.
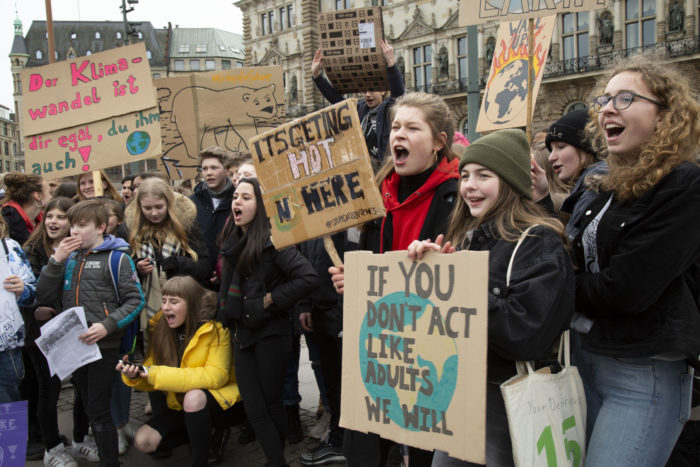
<point x="189" y="364"/>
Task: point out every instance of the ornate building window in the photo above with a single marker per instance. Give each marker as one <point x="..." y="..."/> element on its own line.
<point x="263" y="26"/>
<point x="423" y="67"/>
<point x="640" y="23"/>
<point x="290" y="16"/>
<point x="342" y="4"/>
<point x="575" y="39"/>
<point x="462" y="59"/>
<point x="576" y="106"/>
<point x="380" y="2"/>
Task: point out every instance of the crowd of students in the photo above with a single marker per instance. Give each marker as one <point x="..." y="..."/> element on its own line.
<point x="604" y="209"/>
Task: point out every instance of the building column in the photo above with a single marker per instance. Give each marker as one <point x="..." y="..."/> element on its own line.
<point x="660" y="21"/>
<point x="593" y="35"/>
<point x="691" y="10"/>
<point x="618" y="21"/>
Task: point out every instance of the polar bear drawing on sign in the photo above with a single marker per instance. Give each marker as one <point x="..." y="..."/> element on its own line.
<point x="198" y="107"/>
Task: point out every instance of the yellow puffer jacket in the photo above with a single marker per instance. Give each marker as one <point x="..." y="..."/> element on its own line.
<point x="206" y="363"/>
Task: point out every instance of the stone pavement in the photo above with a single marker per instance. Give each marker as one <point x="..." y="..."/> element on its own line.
<point x="236" y="455"/>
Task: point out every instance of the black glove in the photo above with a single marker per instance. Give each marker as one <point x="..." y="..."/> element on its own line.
<point x="169" y="266"/>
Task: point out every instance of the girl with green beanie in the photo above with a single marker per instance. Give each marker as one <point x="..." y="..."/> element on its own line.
<point x="527" y="315"/>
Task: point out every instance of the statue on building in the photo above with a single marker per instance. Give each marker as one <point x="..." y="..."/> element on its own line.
<point x="605" y="24"/>
<point x="443" y="63"/>
<point x="676" y="16"/>
<point x="293" y="90"/>
<point x="490" y="48"/>
<point x="401" y="66"/>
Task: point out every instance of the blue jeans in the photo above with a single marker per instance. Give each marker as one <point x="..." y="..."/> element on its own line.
<point x="636" y="408"/>
<point x="11" y="374"/>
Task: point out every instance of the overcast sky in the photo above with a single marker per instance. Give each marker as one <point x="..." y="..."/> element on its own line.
<point x="219" y="14"/>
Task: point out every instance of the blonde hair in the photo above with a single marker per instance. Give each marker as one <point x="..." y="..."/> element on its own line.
<point x="170" y="229"/>
<point x="675" y="139"/>
<point x="509" y="216"/>
<point x="438" y="116"/>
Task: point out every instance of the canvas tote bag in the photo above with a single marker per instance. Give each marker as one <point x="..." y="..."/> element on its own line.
<point x="546" y="412"/>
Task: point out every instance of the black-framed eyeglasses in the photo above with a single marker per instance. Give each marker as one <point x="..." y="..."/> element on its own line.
<point x="621" y="100"/>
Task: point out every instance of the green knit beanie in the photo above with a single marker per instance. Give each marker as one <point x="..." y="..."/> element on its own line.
<point x="505" y="152"/>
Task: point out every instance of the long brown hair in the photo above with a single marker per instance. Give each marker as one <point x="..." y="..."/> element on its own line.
<point x="509" y="216"/>
<point x="675" y="139"/>
<point x="437" y="115"/>
<point x="257" y="234"/>
<point x="40" y="236"/>
<point x="109" y="192"/>
<point x="164" y="347"/>
<point x="171" y="228"/>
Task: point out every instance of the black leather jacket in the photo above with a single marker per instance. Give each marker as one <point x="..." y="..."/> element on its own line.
<point x="645" y="300"/>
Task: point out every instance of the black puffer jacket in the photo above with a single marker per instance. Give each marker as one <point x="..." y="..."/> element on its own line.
<point x="286" y="274"/>
<point x="211" y="220"/>
<point x="646" y="299"/>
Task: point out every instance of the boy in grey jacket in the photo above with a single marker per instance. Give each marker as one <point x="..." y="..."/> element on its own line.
<point x="78" y="274"/>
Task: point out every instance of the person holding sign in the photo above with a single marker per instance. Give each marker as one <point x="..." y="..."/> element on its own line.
<point x="527" y="316"/>
<point x="86" y="187"/>
<point x="639" y="255"/>
<point x="374" y="109"/>
<point x="188" y="368"/>
<point x="419" y="186"/>
<point x="259" y="286"/>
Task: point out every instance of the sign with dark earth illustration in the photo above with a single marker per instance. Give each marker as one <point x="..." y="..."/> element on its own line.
<point x="414" y="349"/>
<point x="505" y="97"/>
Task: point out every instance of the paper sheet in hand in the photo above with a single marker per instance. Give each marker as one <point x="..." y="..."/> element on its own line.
<point x="59" y="343"/>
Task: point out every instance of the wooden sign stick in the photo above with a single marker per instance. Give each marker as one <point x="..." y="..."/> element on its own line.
<point x="97" y="180"/>
<point x="530" y="75"/>
<point x="332" y="252"/>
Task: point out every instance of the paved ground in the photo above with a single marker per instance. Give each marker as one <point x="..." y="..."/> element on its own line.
<point x="235" y="454"/>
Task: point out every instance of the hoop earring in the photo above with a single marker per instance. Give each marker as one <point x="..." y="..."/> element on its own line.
<point x="436" y="155"/>
<point x="39" y="204"/>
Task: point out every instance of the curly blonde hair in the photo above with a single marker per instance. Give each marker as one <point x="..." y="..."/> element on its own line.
<point x="170" y="229"/>
<point x="675" y="139"/>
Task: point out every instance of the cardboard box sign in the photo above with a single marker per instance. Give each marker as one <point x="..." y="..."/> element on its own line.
<point x="481" y="11"/>
<point x="316" y="176"/>
<point x="220" y="108"/>
<point x="505" y="98"/>
<point x="352" y="56"/>
<point x="414" y="349"/>
<point x="90" y="113"/>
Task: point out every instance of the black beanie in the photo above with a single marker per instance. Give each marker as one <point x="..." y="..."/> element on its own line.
<point x="571" y="129"/>
<point x="505" y="152"/>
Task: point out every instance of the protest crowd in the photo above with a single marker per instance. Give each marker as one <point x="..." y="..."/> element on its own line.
<point x="591" y="227"/>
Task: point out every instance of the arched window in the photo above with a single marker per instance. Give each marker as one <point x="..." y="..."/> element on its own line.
<point x="39" y="55"/>
<point x="89" y="52"/>
<point x="74" y="35"/>
<point x="148" y="54"/>
<point x="119" y="35"/>
<point x="576" y="106"/>
<point x="140" y="35"/>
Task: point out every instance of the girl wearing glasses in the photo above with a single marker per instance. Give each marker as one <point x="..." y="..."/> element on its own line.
<point x="638" y="255"/>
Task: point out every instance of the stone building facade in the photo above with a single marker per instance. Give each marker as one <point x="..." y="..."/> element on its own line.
<point x="9" y="141"/>
<point x="431" y="48"/>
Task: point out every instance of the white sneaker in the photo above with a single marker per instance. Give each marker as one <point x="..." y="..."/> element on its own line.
<point x="321" y="427"/>
<point x="86" y="449"/>
<point x="59" y="457"/>
<point x="123" y="442"/>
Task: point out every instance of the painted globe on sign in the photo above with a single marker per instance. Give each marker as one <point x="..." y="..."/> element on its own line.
<point x="507" y="93"/>
<point x="435" y="362"/>
<point x="138" y="142"/>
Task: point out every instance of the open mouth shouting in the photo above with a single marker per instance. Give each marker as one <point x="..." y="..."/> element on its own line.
<point x="400" y="154"/>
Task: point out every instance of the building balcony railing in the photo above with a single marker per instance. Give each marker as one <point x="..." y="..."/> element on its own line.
<point x="667" y="49"/>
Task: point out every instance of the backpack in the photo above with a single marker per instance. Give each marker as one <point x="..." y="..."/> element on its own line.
<point x="131" y="332"/>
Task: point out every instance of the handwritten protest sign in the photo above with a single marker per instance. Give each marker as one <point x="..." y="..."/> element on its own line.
<point x="13" y="434"/>
<point x="352" y="56"/>
<point x="316" y="176"/>
<point x="414" y="349"/>
<point x="90" y="113"/>
<point x="505" y="97"/>
<point x="481" y="11"/>
<point x="222" y="108"/>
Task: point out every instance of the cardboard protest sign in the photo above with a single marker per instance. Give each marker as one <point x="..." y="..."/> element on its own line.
<point x="316" y="176"/>
<point x="221" y="108"/>
<point x="13" y="434"/>
<point x="505" y="98"/>
<point x="481" y="11"/>
<point x="90" y="113"/>
<point x="414" y="349"/>
<point x="352" y="56"/>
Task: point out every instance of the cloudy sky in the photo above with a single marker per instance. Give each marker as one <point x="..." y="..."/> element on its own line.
<point x="187" y="14"/>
